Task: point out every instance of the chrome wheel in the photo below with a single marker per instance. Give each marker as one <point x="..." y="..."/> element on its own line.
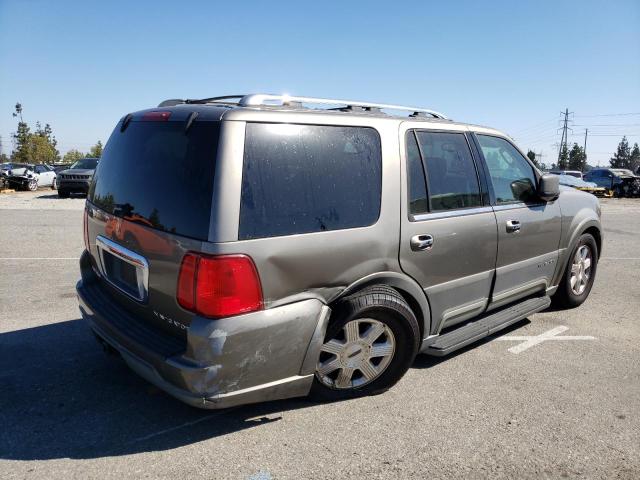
<point x="581" y="270"/>
<point x="357" y="355"/>
<point x="32" y="185"/>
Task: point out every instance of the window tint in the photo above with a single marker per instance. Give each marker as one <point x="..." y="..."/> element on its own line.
<point x="451" y="173"/>
<point x="159" y="175"/>
<point x="511" y="175"/>
<point x="309" y="178"/>
<point x="417" y="187"/>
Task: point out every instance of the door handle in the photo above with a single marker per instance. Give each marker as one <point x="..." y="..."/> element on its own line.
<point x="421" y="242"/>
<point x="513" y="226"/>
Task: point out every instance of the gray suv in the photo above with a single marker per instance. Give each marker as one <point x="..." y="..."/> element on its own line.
<point x="252" y="248"/>
<point x="77" y="178"/>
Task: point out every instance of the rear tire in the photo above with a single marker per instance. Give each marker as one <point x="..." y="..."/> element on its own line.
<point x="579" y="274"/>
<point x="370" y="343"/>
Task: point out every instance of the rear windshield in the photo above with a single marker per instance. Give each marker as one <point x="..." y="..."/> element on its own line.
<point x="156" y="171"/>
<point x="85" y="164"/>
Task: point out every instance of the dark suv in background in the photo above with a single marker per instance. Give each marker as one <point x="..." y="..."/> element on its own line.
<point x="77" y="178"/>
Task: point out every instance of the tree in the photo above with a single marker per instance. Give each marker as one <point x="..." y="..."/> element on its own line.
<point x="4" y="158"/>
<point x="96" y="150"/>
<point x="563" y="161"/>
<point x="20" y="138"/>
<point x="73" y="156"/>
<point x="622" y="157"/>
<point x="577" y="158"/>
<point x="36" y="147"/>
<point x="635" y="158"/>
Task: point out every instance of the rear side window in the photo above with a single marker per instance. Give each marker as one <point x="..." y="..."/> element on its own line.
<point x="158" y="175"/>
<point x="309" y="178"/>
<point x="451" y="173"/>
<point x="418" y="202"/>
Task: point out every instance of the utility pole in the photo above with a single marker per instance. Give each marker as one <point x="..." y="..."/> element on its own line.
<point x="586" y="132"/>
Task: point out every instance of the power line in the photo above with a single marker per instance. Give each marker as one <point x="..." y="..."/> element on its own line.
<point x="609" y="115"/>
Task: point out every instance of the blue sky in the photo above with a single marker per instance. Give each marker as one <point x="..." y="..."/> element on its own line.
<point x="80" y="65"/>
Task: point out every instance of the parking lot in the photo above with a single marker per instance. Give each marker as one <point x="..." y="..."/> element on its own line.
<point x="526" y="403"/>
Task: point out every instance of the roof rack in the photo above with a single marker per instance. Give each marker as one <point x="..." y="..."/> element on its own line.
<point x="264" y="99"/>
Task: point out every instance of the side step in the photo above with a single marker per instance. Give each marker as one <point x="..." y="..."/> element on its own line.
<point x="485" y="326"/>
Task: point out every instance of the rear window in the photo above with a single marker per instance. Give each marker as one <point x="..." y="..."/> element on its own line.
<point x="309" y="178"/>
<point x="156" y="171"/>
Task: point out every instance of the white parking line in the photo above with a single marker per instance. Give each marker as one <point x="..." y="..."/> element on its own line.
<point x="39" y="258"/>
<point x="620" y="258"/>
<point x="529" y="341"/>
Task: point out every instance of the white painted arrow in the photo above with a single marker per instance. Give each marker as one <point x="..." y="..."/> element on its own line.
<point x="529" y="341"/>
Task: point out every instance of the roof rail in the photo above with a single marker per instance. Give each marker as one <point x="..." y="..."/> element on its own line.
<point x="257" y="99"/>
<point x="264" y="99"/>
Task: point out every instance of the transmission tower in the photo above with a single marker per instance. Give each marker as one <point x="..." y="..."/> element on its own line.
<point x="565" y="133"/>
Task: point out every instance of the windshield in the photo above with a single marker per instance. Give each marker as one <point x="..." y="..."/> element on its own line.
<point x="85" y="164"/>
<point x="157" y="174"/>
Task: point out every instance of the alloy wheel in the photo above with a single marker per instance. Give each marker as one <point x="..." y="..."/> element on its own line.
<point x="581" y="270"/>
<point x="357" y="355"/>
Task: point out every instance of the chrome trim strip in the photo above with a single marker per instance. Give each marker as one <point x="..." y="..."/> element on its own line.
<point x="449" y="214"/>
<point x="513" y="206"/>
<point x="132" y="258"/>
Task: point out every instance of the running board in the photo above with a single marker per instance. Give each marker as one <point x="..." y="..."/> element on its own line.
<point x="485" y="326"/>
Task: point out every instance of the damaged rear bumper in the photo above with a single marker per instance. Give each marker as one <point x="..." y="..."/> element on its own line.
<point x="261" y="356"/>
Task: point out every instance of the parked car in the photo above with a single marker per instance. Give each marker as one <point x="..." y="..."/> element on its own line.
<point x="29" y="177"/>
<point x="580" y="184"/>
<point x="572" y="173"/>
<point x="77" y="178"/>
<point x="317" y="250"/>
<point x="621" y="182"/>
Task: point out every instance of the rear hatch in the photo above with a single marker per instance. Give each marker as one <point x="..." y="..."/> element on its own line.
<point x="150" y="203"/>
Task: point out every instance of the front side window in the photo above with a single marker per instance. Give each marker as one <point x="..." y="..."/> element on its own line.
<point x="309" y="178"/>
<point x="452" y="179"/>
<point x="512" y="176"/>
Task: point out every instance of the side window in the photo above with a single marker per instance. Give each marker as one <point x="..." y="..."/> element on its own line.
<point x="309" y="178"/>
<point x="511" y="175"/>
<point x="39" y="169"/>
<point x="418" y="202"/>
<point x="451" y="173"/>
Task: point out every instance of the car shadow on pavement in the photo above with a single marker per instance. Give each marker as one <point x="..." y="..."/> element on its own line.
<point x="62" y="397"/>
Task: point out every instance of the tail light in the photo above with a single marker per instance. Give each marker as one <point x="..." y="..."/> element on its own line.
<point x="219" y="286"/>
<point x="156" y="116"/>
<point x="85" y="228"/>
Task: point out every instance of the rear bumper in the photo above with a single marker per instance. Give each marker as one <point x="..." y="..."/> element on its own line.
<point x="250" y="358"/>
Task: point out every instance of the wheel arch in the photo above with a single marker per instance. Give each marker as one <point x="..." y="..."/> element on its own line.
<point x="410" y="290"/>
<point x="590" y="226"/>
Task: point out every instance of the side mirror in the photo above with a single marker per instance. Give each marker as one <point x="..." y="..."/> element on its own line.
<point x="549" y="187"/>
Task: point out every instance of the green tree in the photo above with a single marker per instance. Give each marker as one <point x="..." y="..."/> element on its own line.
<point x="96" y="150"/>
<point x="563" y="161"/>
<point x="36" y="147"/>
<point x="622" y="157"/>
<point x="577" y="158"/>
<point x="20" y="138"/>
<point x="635" y="158"/>
<point x="4" y="158"/>
<point x="73" y="156"/>
<point x="40" y="150"/>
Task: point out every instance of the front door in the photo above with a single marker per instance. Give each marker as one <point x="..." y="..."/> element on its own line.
<point x="448" y="238"/>
<point x="528" y="228"/>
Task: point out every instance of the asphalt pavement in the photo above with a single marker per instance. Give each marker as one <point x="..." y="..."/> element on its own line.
<point x="519" y="405"/>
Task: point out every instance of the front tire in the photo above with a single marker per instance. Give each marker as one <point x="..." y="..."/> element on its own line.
<point x="54" y="184"/>
<point x="63" y="194"/>
<point x="370" y="343"/>
<point x="32" y="185"/>
<point x="579" y="273"/>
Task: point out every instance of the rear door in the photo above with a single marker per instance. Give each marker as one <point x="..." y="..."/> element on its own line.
<point x="528" y="228"/>
<point x="448" y="230"/>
